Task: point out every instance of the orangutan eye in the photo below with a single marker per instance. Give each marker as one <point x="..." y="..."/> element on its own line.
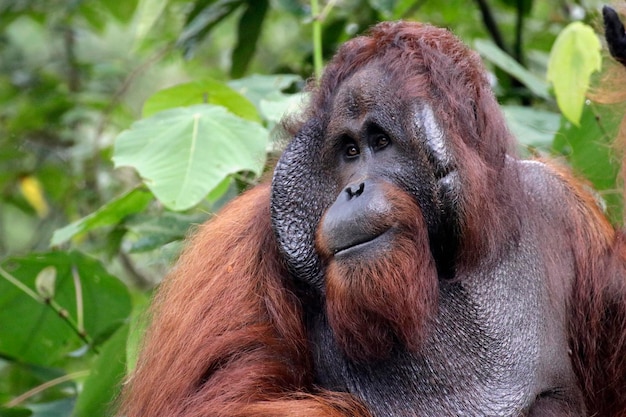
<point x="352" y="151"/>
<point x="381" y="142"/>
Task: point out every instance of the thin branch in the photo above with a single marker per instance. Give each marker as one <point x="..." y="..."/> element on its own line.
<point x="49" y="384"/>
<point x="491" y="25"/>
<point x="32" y="294"/>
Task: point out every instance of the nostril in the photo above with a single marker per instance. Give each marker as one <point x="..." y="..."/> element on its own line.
<point x="355" y="191"/>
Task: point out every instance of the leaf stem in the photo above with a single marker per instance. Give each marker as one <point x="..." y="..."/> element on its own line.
<point x="58" y="309"/>
<point x="32" y="294"/>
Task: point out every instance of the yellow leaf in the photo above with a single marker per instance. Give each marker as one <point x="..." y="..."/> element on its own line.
<point x="31" y="189"/>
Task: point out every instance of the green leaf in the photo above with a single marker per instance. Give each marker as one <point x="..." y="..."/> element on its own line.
<point x="102" y="385"/>
<point x="574" y="57"/>
<point x="589" y="149"/>
<point x="490" y="52"/>
<point x="32" y="332"/>
<point x="15" y="412"/>
<point x="138" y="326"/>
<point x="201" y="20"/>
<point x="182" y="154"/>
<point x="108" y="215"/>
<point x="531" y="126"/>
<point x="275" y="106"/>
<point x="257" y="87"/>
<point x="156" y="231"/>
<point x="199" y="92"/>
<point x="248" y="33"/>
<point x="122" y="10"/>
<point x="146" y="15"/>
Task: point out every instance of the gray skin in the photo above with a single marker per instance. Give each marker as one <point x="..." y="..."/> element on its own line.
<point x="498" y="345"/>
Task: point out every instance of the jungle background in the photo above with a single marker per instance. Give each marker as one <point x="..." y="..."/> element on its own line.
<point x="125" y="123"/>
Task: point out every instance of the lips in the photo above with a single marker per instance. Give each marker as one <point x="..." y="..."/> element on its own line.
<point x="361" y="242"/>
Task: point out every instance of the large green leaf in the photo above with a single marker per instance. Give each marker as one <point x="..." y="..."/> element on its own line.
<point x="33" y="332"/>
<point x="182" y="154"/>
<point x="108" y="215"/>
<point x="574" y="57"/>
<point x="198" y="92"/>
<point x="102" y="385"/>
<point x="490" y="52"/>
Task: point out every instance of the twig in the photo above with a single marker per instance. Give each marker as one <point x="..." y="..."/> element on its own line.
<point x="49" y="384"/>
<point x="491" y="25"/>
<point x="58" y="309"/>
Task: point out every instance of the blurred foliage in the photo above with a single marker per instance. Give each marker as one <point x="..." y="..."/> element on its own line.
<point x="183" y="97"/>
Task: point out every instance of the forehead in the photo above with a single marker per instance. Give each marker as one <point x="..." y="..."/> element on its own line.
<point x="367" y="89"/>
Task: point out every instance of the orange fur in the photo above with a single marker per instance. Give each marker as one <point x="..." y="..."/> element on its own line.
<point x="371" y="304"/>
<point x="226" y="337"/>
<point x="597" y="324"/>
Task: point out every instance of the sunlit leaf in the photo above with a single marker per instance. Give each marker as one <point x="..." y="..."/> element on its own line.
<point x="182" y="154"/>
<point x="574" y="57"/>
<point x="205" y="91"/>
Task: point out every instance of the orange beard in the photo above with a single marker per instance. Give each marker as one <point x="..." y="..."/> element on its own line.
<point x="379" y="298"/>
